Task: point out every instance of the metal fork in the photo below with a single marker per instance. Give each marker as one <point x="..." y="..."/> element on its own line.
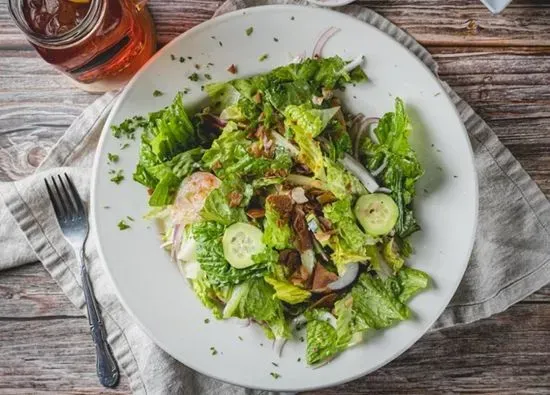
<point x="72" y="219"/>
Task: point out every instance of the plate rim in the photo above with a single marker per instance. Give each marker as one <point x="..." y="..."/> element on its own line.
<point x="105" y="132"/>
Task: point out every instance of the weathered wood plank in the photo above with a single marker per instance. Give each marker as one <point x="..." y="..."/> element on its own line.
<point x="461" y="22"/>
<point x="55" y="355"/>
<point x="502" y="354"/>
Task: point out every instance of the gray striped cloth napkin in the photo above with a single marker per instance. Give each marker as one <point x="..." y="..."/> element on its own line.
<point x="509" y="261"/>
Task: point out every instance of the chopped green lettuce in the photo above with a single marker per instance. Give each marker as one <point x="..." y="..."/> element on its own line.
<point x="287" y="292"/>
<point x="207" y="294"/>
<point x="349" y="243"/>
<point x="322" y="339"/>
<point x="402" y="169"/>
<point x="341" y="182"/>
<point x="277" y="233"/>
<point x="218" y="207"/>
<point x="255" y="299"/>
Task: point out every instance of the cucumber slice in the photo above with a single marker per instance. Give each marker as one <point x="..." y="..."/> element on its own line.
<point x="377" y="213"/>
<point x="241" y="241"/>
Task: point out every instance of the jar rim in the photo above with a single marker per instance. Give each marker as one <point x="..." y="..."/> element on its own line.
<point x="85" y="27"/>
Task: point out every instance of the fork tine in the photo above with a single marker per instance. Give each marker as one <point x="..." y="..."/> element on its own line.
<point x="60" y="195"/>
<point x="76" y="196"/>
<point x="69" y="197"/>
<point x="53" y="199"/>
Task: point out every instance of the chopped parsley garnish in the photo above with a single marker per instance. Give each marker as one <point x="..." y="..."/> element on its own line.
<point x="275" y="364"/>
<point x="128" y="127"/>
<point x="202" y="87"/>
<point x="292" y="18"/>
<point x="182" y="59"/>
<point x="240" y="338"/>
<point x="249" y="31"/>
<point x="113" y="158"/>
<point x="208" y="76"/>
<point x="209" y="64"/>
<point x="186" y="91"/>
<point x="194" y="77"/>
<point x="197" y="66"/>
<point x="124" y="146"/>
<point x="206" y="320"/>
<point x="190" y="57"/>
<point x="220" y="43"/>
<point x="299" y="359"/>
<point x="213" y="37"/>
<point x="263" y="57"/>
<point x="123" y="225"/>
<point x="130" y="218"/>
<point x="106" y="207"/>
<point x="117" y="176"/>
<point x="275" y="375"/>
<point x="275" y="39"/>
<point x="172" y="56"/>
<point x="213" y="351"/>
<point x="157" y="93"/>
<point x="302" y="339"/>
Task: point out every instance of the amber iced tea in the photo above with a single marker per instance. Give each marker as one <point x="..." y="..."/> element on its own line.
<point x="100" y="44"/>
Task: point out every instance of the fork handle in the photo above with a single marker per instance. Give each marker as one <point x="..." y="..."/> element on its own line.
<point x="106" y="367"/>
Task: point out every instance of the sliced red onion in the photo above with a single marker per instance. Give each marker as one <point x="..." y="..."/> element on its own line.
<point x="319" y="45"/>
<point x="354" y="63"/>
<point x="298" y="58"/>
<point x="176" y="241"/>
<point x="299" y="195"/>
<point x="380" y="169"/>
<point x="308" y="260"/>
<point x="373" y="135"/>
<point x="282" y="142"/>
<point x="278" y="345"/>
<point x="384" y="190"/>
<point x="350" y="273"/>
<point x="361" y="125"/>
<point x="359" y="171"/>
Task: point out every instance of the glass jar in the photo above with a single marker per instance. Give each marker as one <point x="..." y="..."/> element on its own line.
<point x="99" y="44"/>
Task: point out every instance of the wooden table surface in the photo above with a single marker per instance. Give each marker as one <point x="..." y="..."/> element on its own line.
<point x="499" y="64"/>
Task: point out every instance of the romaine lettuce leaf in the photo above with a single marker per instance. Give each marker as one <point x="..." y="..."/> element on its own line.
<point x="218" y="271"/>
<point x="376" y="304"/>
<point x="341" y="182"/>
<point x="218" y="206"/>
<point x="322" y="339"/>
<point x="229" y="155"/>
<point x="277" y="233"/>
<point x="287" y="292"/>
<point x="207" y="294"/>
<point x="402" y="169"/>
<point x="255" y="299"/>
<point x="349" y="242"/>
<point x="409" y="282"/>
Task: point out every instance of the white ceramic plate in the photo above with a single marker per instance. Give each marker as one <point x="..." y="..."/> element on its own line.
<point x="150" y="286"/>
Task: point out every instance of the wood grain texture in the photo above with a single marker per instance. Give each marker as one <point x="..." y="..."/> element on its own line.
<point x="499" y="64"/>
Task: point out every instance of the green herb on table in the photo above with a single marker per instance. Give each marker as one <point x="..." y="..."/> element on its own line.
<point x="249" y="31"/>
<point x="194" y="77"/>
<point x="112" y="158"/>
<point x="157" y="93"/>
<point x="263" y="57"/>
<point x="117" y="176"/>
<point x="122" y="225"/>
